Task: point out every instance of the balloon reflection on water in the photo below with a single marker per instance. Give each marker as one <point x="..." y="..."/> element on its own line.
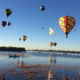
<point x="39" y="71"/>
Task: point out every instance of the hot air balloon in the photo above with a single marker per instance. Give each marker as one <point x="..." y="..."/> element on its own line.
<point x="19" y="39"/>
<point x="9" y="23"/>
<point x="54" y="43"/>
<point x="67" y="23"/>
<point x="51" y="31"/>
<point x="51" y="44"/>
<point x="8" y="12"/>
<point x="42" y="28"/>
<point x="4" y="23"/>
<point x="42" y="8"/>
<point x="24" y="38"/>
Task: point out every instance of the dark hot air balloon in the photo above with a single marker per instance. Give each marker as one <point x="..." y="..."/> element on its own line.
<point x="8" y="12"/>
<point x="9" y="23"/>
<point x="42" y="8"/>
<point x="4" y="23"/>
<point x="19" y="39"/>
<point x="42" y="28"/>
<point x="54" y="43"/>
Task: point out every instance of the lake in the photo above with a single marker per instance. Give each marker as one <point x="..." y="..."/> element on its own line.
<point x="39" y="66"/>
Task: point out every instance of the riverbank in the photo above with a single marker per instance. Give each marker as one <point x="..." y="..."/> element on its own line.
<point x="60" y="51"/>
<point x="14" y="49"/>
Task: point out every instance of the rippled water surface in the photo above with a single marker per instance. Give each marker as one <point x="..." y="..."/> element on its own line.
<point x="38" y="66"/>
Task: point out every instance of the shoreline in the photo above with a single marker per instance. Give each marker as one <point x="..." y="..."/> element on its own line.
<point x="61" y="51"/>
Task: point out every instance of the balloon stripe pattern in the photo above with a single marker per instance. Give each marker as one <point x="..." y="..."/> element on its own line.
<point x="67" y="23"/>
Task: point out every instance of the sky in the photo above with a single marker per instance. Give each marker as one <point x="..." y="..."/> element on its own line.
<point x="27" y="19"/>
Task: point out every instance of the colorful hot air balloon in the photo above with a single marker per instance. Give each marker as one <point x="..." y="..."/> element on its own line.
<point x="51" y="44"/>
<point x="67" y="23"/>
<point x="9" y="23"/>
<point x="42" y="8"/>
<point x="8" y="12"/>
<point x="4" y="23"/>
<point x="24" y="38"/>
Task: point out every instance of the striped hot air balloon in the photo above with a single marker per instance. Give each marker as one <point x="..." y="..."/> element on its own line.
<point x="67" y="23"/>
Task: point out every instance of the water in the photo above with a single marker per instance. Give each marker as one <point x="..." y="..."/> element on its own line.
<point x="65" y="64"/>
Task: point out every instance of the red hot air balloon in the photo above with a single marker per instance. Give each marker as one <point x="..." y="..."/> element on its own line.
<point x="4" y="23"/>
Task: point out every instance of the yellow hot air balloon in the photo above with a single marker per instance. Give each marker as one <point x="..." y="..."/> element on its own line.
<point x="24" y="38"/>
<point x="67" y="23"/>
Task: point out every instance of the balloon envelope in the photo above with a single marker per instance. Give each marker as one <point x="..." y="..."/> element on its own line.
<point x="51" y="31"/>
<point x="9" y="23"/>
<point x="4" y="23"/>
<point x="42" y="8"/>
<point x="51" y="44"/>
<point x="19" y="39"/>
<point x="54" y="43"/>
<point x="42" y="28"/>
<point x="8" y="12"/>
<point x="67" y="23"/>
<point x="24" y="38"/>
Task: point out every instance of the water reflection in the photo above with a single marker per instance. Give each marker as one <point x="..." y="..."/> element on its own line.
<point x="39" y="67"/>
<point x="66" y="77"/>
<point x="22" y="64"/>
<point x="50" y="75"/>
<point x="52" y="59"/>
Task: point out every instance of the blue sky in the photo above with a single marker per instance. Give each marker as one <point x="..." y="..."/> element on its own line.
<point x="27" y="19"/>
